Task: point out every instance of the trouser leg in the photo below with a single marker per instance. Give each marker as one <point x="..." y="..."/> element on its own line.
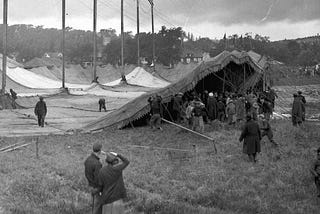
<point x="39" y="120"/>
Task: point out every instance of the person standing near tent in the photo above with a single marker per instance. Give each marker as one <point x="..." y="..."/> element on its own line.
<point x="251" y="137"/>
<point x="221" y="110"/>
<point x="92" y="166"/>
<point x="297" y="110"/>
<point x="102" y="104"/>
<point x="41" y="111"/>
<point x="198" y="124"/>
<point x="266" y="108"/>
<point x="177" y="107"/>
<point x="156" y="111"/>
<point x="231" y="112"/>
<point x="240" y="108"/>
<point x="111" y="181"/>
<point x="212" y="107"/>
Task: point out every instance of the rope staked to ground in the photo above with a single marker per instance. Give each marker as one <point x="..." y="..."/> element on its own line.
<point x="197" y="133"/>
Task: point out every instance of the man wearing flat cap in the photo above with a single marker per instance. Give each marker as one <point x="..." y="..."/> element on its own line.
<point x="111" y="182"/>
<point x="92" y="167"/>
<point x="40" y="111"/>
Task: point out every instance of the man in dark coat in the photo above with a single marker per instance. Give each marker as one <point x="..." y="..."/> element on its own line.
<point x="212" y="107"/>
<point x="102" y="104"/>
<point x="40" y="111"/>
<point x="111" y="181"/>
<point x="303" y="100"/>
<point x="297" y="110"/>
<point x="251" y="135"/>
<point x="92" y="167"/>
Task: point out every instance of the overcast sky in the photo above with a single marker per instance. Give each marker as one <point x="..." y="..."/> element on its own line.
<point x="278" y="19"/>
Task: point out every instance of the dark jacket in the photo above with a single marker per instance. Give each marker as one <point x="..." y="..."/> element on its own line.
<point x="297" y="109"/>
<point x="251" y="135"/>
<point x="41" y="108"/>
<point x="212" y="108"/>
<point x="111" y="182"/>
<point x="92" y="167"/>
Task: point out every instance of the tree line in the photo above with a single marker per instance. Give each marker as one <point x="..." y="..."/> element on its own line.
<point x="26" y="42"/>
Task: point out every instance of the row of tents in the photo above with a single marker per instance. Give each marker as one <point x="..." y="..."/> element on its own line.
<point x="232" y="71"/>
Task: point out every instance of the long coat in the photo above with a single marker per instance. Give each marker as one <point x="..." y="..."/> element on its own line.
<point x="297" y="110"/>
<point x="212" y="108"/>
<point x="251" y="135"/>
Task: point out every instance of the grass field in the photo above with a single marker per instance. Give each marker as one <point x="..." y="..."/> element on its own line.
<point x="195" y="180"/>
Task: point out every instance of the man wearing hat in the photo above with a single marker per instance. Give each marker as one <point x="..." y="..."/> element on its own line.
<point x="92" y="167"/>
<point x="40" y="111"/>
<point x="251" y="137"/>
<point x="111" y="181"/>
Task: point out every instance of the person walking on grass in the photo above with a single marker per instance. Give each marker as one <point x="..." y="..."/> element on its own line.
<point x="40" y="111"/>
<point x="315" y="170"/>
<point x="303" y="101"/>
<point x="266" y="129"/>
<point x="92" y="167"/>
<point x="297" y="110"/>
<point x="251" y="137"/>
<point x="111" y="181"/>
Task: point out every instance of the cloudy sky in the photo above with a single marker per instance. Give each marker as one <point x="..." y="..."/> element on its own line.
<point x="278" y="19"/>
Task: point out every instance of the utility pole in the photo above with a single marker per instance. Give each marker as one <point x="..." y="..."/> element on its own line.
<point x="94" y="40"/>
<point x="63" y="40"/>
<point x="4" y="54"/>
<point x="123" y="77"/>
<point x="138" y="32"/>
<point x="153" y="40"/>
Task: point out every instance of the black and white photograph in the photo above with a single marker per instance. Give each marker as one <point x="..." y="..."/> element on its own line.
<point x="160" y="107"/>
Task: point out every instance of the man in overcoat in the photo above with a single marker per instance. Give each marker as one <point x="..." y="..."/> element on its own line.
<point x="297" y="110"/>
<point x="251" y="137"/>
<point x="40" y="111"/>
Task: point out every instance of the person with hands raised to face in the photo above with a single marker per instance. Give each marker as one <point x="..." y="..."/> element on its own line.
<point x="110" y="179"/>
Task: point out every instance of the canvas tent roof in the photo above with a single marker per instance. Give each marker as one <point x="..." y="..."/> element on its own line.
<point x="139" y="107"/>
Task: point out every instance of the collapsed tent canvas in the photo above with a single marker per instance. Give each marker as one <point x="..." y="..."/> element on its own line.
<point x="139" y="107"/>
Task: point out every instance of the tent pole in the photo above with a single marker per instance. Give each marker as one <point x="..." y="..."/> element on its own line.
<point x="63" y="41"/>
<point x="4" y="54"/>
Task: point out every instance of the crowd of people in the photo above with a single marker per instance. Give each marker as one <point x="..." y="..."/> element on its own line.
<point x="195" y="109"/>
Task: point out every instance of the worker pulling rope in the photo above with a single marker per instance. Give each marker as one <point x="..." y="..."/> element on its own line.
<point x="197" y="133"/>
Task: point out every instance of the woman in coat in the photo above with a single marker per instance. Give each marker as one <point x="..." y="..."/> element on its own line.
<point x="251" y="135"/>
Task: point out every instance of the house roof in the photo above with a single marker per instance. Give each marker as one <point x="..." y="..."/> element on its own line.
<point x="139" y="107"/>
